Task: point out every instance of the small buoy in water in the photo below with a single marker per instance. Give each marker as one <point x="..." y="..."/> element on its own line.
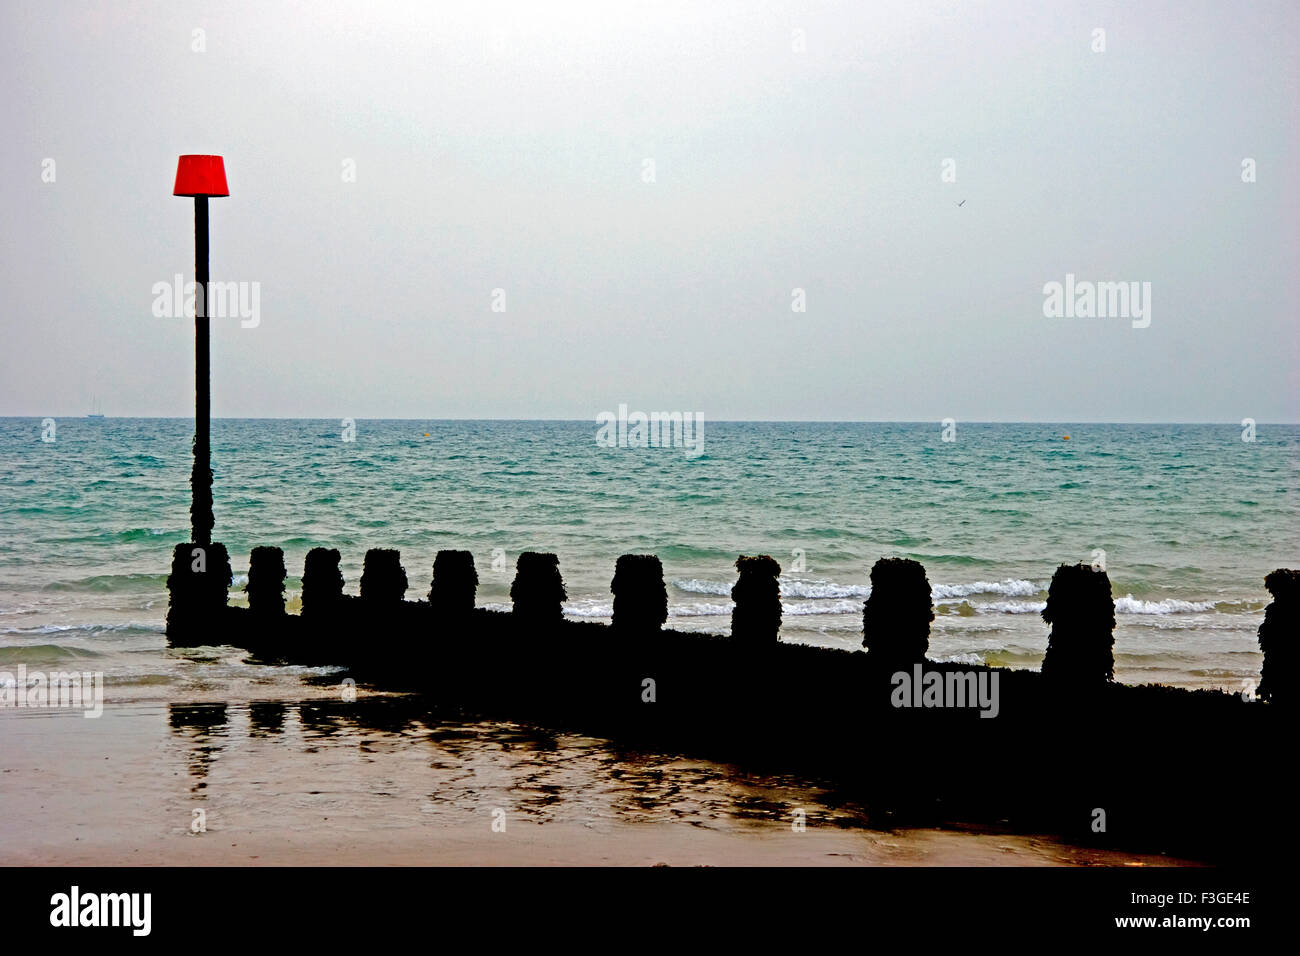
<point x="426" y="434"/>
<point x="1066" y="438"/>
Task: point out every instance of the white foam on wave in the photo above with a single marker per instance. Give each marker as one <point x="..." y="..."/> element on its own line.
<point x="1010" y="607"/>
<point x="1130" y="605"/>
<point x="589" y="609"/>
<point x="799" y="588"/>
<point x="1010" y="587"/>
<point x="700" y="610"/>
<point x="696" y="586"/>
<point x="790" y="588"/>
<point x="969" y="659"/>
<point x="837" y="607"/>
<point x="827" y="598"/>
<point x="44" y="629"/>
<point x="788" y="609"/>
<point x="91" y="628"/>
<point x="598" y="609"/>
<point x="707" y="609"/>
<point x="1124" y="605"/>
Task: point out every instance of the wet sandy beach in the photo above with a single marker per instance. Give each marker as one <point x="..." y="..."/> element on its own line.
<point x="322" y="782"/>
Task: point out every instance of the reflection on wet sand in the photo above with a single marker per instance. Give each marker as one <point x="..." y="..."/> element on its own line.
<point x="391" y="780"/>
<point x="266" y="718"/>
<point x="468" y="765"/>
<point x="203" y="727"/>
<point x="389" y="762"/>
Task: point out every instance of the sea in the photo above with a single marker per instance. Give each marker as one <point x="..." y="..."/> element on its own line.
<point x="1186" y="519"/>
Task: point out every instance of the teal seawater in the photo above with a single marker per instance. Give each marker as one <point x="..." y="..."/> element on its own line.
<point x="1190" y="518"/>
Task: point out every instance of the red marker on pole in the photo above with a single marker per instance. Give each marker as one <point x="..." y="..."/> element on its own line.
<point x="201" y="177"/>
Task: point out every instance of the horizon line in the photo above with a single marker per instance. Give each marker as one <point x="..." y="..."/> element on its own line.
<point x="757" y="421"/>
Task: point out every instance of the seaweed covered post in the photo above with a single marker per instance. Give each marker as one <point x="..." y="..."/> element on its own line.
<point x="538" y="589"/>
<point x="265" y="587"/>
<point x="1278" y="635"/>
<point x="897" y="613"/>
<point x="1081" y="611"/>
<point x="454" y="584"/>
<point x="322" y="584"/>
<point x="640" y="597"/>
<point x="383" y="579"/>
<point x="756" y="618"/>
<point x="197" y="593"/>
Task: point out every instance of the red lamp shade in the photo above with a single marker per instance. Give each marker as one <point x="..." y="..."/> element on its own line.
<point x="200" y="176"/>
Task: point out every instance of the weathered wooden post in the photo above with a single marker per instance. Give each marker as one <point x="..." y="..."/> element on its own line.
<point x="756" y="618"/>
<point x="200" y="572"/>
<point x="197" y="593"/>
<point x="640" y="597"/>
<point x="322" y="584"/>
<point x="265" y="587"/>
<point x="201" y="177"/>
<point x="1278" y="635"/>
<point x="1081" y="611"/>
<point x="538" y="589"/>
<point x="454" y="585"/>
<point x="897" y="613"/>
<point x="383" y="579"/>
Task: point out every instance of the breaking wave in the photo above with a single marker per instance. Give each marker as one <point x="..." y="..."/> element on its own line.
<point x="798" y="588"/>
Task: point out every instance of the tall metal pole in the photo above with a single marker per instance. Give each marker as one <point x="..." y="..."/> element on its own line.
<point x="201" y="518"/>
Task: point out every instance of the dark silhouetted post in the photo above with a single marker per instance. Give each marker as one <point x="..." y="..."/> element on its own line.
<point x="756" y="618"/>
<point x="538" y="589"/>
<point x="383" y="579"/>
<point x="897" y="614"/>
<point x="197" y="593"/>
<point x="265" y="587"/>
<point x="322" y="583"/>
<point x="201" y="177"/>
<point x="454" y="584"/>
<point x="200" y="571"/>
<point x="201" y="516"/>
<point x="640" y="597"/>
<point x="1278" y="635"/>
<point x="1082" y="614"/>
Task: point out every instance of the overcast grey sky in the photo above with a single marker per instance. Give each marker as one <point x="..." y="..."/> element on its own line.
<point x="502" y="145"/>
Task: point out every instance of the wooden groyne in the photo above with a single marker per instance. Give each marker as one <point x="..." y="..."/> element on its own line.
<point x="1067" y="750"/>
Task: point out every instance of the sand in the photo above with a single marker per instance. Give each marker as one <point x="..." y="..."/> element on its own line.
<point x="296" y="788"/>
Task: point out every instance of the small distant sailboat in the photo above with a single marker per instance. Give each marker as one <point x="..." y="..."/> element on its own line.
<point x="93" y="413"/>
